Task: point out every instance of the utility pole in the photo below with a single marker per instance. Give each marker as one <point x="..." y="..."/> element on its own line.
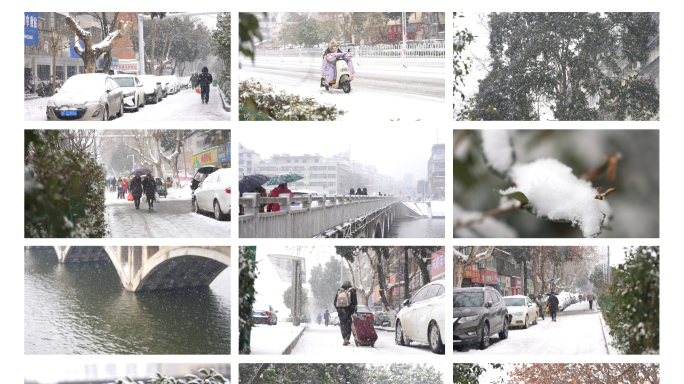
<point x="403" y="39"/>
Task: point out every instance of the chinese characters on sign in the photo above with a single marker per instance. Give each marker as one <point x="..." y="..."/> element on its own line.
<point x="31" y="28"/>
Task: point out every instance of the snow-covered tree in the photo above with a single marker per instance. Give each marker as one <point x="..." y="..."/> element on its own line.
<point x="586" y="373"/>
<point x="91" y="52"/>
<point x="463" y="261"/>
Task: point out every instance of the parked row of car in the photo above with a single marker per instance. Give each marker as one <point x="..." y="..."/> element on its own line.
<point x="98" y="96"/>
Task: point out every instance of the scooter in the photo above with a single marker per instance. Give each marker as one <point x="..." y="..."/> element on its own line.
<point x="342" y="71"/>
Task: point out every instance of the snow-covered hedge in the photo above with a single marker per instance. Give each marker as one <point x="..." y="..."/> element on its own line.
<point x="63" y="189"/>
<point x="248" y="273"/>
<point x="259" y="102"/>
<point x="631" y="303"/>
<point x="224" y="86"/>
<point x="211" y="377"/>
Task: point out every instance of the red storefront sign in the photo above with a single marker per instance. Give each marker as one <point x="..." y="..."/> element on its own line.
<point x="478" y="276"/>
<point x="438" y="267"/>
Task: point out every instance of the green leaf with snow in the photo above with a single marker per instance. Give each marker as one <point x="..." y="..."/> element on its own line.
<point x="514" y="195"/>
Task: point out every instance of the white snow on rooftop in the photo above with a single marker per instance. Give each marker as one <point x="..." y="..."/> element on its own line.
<point x="556" y="193"/>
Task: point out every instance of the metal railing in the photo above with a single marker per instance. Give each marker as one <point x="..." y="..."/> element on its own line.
<point x="315" y="216"/>
<point x="416" y="55"/>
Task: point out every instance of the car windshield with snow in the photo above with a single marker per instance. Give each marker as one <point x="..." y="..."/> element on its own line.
<point x="91" y="96"/>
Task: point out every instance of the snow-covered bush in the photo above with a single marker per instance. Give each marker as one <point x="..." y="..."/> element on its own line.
<point x="631" y="303"/>
<point x="63" y="188"/>
<point x="259" y="102"/>
<point x="248" y="273"/>
<point x="211" y="377"/>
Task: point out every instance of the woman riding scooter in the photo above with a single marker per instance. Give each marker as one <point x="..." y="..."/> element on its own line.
<point x="329" y="75"/>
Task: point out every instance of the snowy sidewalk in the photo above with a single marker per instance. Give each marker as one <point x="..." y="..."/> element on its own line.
<point x="275" y="339"/>
<point x="577" y="331"/>
<point x="320" y="340"/>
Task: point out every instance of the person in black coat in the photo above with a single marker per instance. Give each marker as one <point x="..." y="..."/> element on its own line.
<point x="358" y="192"/>
<point x="205" y="80"/>
<point x="553" y="306"/>
<point x="136" y="188"/>
<point x="351" y="191"/>
<point x="150" y="187"/>
<point x="365" y="192"/>
<point x="345" y="313"/>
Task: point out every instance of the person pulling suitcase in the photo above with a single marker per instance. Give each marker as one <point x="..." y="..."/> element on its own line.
<point x="345" y="303"/>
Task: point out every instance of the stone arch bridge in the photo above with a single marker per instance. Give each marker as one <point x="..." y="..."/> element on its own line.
<point x="148" y="268"/>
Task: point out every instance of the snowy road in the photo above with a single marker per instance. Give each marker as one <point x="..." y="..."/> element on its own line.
<point x="321" y="340"/>
<point x="577" y="331"/>
<point x="378" y="92"/>
<point x="183" y="106"/>
<point x="171" y="217"/>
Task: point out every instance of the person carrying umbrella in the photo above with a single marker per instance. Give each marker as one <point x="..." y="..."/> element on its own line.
<point x="136" y="190"/>
<point x="150" y="187"/>
<point x="280" y="189"/>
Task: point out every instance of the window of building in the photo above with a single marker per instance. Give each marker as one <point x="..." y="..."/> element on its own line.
<point x="60" y="72"/>
<point x="44" y="72"/>
<point x="296" y="161"/>
<point x="71" y="71"/>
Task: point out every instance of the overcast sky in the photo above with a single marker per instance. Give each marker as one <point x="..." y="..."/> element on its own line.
<point x="396" y="151"/>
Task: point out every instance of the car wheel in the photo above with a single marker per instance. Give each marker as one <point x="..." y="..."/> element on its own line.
<point x="484" y="340"/>
<point x="504" y="332"/>
<point x="137" y="105"/>
<point x="195" y="205"/>
<point x="218" y="215"/>
<point x="143" y="101"/>
<point x="399" y="335"/>
<point x="527" y="319"/>
<point x="536" y="319"/>
<point x="435" y="339"/>
<point x="105" y="115"/>
<point x="120" y="113"/>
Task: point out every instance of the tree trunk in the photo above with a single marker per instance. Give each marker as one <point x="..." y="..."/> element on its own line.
<point x="423" y="266"/>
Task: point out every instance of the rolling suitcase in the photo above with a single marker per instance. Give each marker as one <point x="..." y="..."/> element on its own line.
<point x="363" y="331"/>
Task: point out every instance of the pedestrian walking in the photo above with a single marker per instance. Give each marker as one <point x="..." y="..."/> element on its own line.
<point x="552" y="301"/>
<point x="125" y="187"/>
<point x="205" y="80"/>
<point x="119" y="187"/>
<point x="345" y="303"/>
<point x="318" y="319"/>
<point x="280" y="189"/>
<point x="326" y="317"/>
<point x="137" y="190"/>
<point x="351" y="192"/>
<point x="150" y="188"/>
<point x="112" y="185"/>
<point x="590" y="297"/>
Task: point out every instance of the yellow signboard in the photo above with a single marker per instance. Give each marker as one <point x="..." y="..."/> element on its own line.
<point x="209" y="157"/>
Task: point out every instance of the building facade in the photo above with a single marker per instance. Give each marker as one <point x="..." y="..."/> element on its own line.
<point x="436" y="172"/>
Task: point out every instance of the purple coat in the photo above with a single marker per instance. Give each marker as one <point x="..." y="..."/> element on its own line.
<point x="328" y="66"/>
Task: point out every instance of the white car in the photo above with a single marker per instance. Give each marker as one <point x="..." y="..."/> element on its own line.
<point x="522" y="311"/>
<point x="213" y="194"/>
<point x="88" y="96"/>
<point x="422" y="317"/>
<point x="133" y="91"/>
<point x="172" y="84"/>
<point x="152" y="86"/>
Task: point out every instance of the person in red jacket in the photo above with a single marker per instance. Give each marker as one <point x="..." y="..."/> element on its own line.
<point x="280" y="189"/>
<point x="125" y="185"/>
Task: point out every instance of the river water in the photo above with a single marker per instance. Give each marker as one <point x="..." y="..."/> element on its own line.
<point x="419" y="228"/>
<point x="82" y="308"/>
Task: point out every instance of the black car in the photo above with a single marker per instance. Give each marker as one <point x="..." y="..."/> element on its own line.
<point x="262" y="316"/>
<point x="479" y="313"/>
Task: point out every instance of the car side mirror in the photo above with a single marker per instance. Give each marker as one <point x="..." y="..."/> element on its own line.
<point x="349" y="50"/>
<point x="489" y="304"/>
<point x="407" y="303"/>
<point x="109" y="90"/>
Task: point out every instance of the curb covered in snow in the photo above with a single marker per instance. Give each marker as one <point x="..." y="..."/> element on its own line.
<point x="290" y="347"/>
<point x="223" y="100"/>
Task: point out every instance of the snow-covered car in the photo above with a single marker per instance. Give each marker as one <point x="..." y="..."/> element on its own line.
<point x="479" y="313"/>
<point x="153" y="88"/>
<point x="172" y="84"/>
<point x="263" y="316"/>
<point x="184" y="82"/>
<point x="133" y="91"/>
<point x="213" y="194"/>
<point x="334" y="318"/>
<point x="88" y="96"/>
<point x="522" y="311"/>
<point x="422" y="317"/>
